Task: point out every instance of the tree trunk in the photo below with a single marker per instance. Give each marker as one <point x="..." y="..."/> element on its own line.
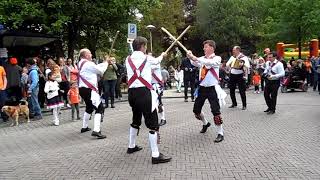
<point x="73" y="32"/>
<point x="299" y="41"/>
<point x="92" y="40"/>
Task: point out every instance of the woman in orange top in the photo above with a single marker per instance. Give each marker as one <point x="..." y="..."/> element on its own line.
<point x="74" y="99"/>
<point x="256" y="81"/>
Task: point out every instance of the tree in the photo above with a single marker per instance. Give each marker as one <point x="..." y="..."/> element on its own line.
<point x="295" y="21"/>
<point x="229" y="23"/>
<point x="168" y="14"/>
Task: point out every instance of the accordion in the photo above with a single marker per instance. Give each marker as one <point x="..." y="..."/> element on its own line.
<point x="238" y="64"/>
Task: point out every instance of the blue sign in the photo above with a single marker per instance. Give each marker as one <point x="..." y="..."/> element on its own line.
<point x="132" y="31"/>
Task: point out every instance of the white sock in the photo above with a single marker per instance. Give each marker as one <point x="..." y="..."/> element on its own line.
<point x="85" y="120"/>
<point x="96" y="122"/>
<point x="56" y="116"/>
<point x="203" y="119"/>
<point x="153" y="144"/>
<point x="219" y="129"/>
<point x="162" y="114"/>
<point x="132" y="137"/>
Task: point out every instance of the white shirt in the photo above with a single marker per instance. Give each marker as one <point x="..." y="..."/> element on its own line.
<point x="178" y="75"/>
<point x="138" y="58"/>
<point x="212" y="61"/>
<point x="90" y="72"/>
<point x="52" y="86"/>
<point x="156" y="69"/>
<point x="275" y="72"/>
<point x="232" y="60"/>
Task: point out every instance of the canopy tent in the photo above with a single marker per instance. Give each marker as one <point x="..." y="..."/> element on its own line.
<point x="18" y="38"/>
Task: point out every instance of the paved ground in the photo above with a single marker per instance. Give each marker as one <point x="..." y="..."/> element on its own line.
<point x="285" y="145"/>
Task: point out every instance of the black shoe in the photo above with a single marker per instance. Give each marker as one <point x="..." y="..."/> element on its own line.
<point x="162" y="122"/>
<point x="112" y="106"/>
<point x="271" y="112"/>
<point x="244" y="107"/>
<point x="232" y="106"/>
<point x="185" y="100"/>
<point x="106" y="106"/>
<point x="219" y="138"/>
<point x="205" y="127"/>
<point x="85" y="129"/>
<point x="161" y="159"/>
<point x="192" y="99"/>
<point x="267" y="110"/>
<point x="78" y="118"/>
<point x="98" y="135"/>
<point x="135" y="149"/>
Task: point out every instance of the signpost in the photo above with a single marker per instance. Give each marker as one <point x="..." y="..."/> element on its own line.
<point x="132" y="34"/>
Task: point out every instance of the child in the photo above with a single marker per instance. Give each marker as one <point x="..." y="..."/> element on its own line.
<point x="74" y="99"/>
<point x="53" y="100"/>
<point x="24" y="82"/>
<point x="179" y="78"/>
<point x="256" y="81"/>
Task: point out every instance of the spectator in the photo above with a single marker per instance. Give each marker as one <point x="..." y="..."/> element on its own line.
<point x="65" y="79"/>
<point x="73" y="71"/>
<point x="33" y="90"/>
<point x="314" y="62"/>
<point x="42" y="82"/>
<point x="189" y="78"/>
<point x="24" y="82"/>
<point x="54" y="101"/>
<point x="179" y="78"/>
<point x="165" y="77"/>
<point x="74" y="99"/>
<point x="3" y="86"/>
<point x="171" y="80"/>
<point x="13" y="79"/>
<point x="120" y="73"/>
<point x="109" y="81"/>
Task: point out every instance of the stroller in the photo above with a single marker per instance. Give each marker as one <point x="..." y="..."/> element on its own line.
<point x="293" y="81"/>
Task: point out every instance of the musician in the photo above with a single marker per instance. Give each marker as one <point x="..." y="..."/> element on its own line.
<point x="239" y="64"/>
<point x="273" y="72"/>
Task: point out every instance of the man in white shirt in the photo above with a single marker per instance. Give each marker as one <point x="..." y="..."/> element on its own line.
<point x="208" y="83"/>
<point x="88" y="90"/>
<point x="143" y="99"/>
<point x="273" y="72"/>
<point x="239" y="64"/>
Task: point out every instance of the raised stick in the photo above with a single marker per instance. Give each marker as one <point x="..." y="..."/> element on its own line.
<point x="173" y="38"/>
<point x="179" y="37"/>
<point x="114" y="40"/>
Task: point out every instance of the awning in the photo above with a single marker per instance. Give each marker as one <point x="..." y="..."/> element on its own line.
<point x="18" y="38"/>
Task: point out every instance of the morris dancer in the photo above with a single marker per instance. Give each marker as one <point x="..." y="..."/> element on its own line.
<point x="158" y="86"/>
<point x="209" y="87"/>
<point x="142" y="98"/>
<point x="88" y="89"/>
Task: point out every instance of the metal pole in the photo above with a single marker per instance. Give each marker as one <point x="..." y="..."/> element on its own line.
<point x="150" y="40"/>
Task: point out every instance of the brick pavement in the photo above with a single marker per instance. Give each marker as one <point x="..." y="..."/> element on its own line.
<point x="285" y="145"/>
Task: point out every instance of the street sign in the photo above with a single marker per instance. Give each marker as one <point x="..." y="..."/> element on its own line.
<point x="132" y="31"/>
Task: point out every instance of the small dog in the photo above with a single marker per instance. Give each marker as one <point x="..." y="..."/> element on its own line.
<point x="15" y="111"/>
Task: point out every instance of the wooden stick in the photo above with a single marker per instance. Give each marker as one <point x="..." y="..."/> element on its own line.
<point x="173" y="38"/>
<point x="179" y="37"/>
<point x="114" y="40"/>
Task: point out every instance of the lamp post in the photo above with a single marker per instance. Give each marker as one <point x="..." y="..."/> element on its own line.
<point x="150" y="27"/>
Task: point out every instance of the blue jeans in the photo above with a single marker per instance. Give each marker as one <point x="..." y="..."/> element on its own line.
<point x="35" y="107"/>
<point x="109" y="90"/>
